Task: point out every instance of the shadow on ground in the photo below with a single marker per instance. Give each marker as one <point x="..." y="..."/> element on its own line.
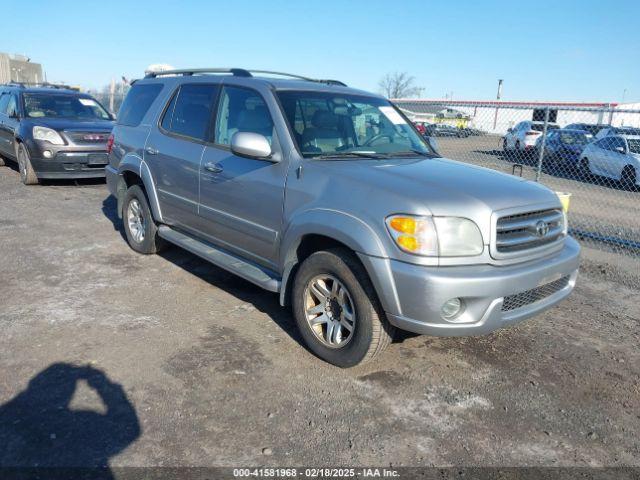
<point x="39" y="428"/>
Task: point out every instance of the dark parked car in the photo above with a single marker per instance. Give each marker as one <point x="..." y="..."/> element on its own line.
<point x="444" y="130"/>
<point x="591" y="128"/>
<point x="53" y="132"/>
<point x="565" y="146"/>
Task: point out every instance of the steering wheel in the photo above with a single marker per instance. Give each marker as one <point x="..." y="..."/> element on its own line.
<point x="377" y="137"/>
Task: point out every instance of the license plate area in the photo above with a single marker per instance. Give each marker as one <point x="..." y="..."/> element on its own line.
<point x="97" y="159"/>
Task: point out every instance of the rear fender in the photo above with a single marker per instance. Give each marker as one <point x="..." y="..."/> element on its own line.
<point x="134" y="164"/>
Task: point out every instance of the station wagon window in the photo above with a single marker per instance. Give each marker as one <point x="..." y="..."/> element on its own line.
<point x="137" y="103"/>
<point x="242" y="110"/>
<point x="190" y="109"/>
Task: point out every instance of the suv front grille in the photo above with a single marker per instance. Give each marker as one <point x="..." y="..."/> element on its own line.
<point x="88" y="137"/>
<point x="524" y="231"/>
<point x="519" y="300"/>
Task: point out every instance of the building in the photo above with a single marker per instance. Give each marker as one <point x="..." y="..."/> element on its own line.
<point x="18" y="68"/>
<point x="498" y="116"/>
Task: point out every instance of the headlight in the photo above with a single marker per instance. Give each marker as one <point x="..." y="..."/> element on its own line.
<point x="415" y="235"/>
<point x="433" y="236"/>
<point x="458" y="237"/>
<point x="47" y="135"/>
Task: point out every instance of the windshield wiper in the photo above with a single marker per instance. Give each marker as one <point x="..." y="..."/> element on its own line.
<point x="411" y="152"/>
<point x="329" y="156"/>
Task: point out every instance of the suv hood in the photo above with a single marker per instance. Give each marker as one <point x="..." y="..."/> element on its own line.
<point x="68" y="124"/>
<point x="436" y="186"/>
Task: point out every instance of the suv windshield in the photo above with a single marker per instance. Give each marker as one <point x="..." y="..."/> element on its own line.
<point x="327" y="124"/>
<point x="38" y="105"/>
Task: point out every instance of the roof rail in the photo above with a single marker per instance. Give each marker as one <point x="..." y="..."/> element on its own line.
<point x="239" y="72"/>
<point x="299" y="77"/>
<point x="41" y="85"/>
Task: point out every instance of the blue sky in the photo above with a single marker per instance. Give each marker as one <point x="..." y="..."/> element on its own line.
<point x="586" y="50"/>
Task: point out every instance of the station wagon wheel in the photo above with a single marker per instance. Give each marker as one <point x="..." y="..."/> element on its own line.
<point x="330" y="311"/>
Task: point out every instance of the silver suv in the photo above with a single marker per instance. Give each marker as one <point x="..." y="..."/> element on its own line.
<point x="328" y="196"/>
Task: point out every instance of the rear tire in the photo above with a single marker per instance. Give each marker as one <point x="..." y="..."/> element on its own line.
<point x="370" y="331"/>
<point x="27" y="173"/>
<point x="139" y="226"/>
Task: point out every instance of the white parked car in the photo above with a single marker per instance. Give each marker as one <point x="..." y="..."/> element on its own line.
<point x="609" y="131"/>
<point x="616" y="157"/>
<point x="524" y="135"/>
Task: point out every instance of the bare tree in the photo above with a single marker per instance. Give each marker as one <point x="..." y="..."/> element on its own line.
<point x="398" y="85"/>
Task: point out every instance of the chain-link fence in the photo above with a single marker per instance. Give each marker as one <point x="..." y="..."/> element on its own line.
<point x="589" y="151"/>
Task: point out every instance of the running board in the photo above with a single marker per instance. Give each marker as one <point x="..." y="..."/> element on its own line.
<point x="220" y="258"/>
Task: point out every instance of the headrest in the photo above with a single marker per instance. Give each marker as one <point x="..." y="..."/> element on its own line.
<point x="324" y="119"/>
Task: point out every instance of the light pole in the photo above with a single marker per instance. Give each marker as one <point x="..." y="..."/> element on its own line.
<point x="495" y="118"/>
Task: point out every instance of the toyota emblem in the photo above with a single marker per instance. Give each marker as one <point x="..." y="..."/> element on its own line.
<point x="542" y="228"/>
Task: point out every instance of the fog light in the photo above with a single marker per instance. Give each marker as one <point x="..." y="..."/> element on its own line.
<point x="452" y="308"/>
<point x="47" y="154"/>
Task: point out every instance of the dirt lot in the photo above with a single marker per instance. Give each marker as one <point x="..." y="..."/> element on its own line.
<point x="212" y="371"/>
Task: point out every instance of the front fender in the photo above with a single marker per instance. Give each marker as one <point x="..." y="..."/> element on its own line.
<point x="346" y="229"/>
<point x="134" y="164"/>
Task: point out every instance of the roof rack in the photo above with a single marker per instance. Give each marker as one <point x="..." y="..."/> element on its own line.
<point x="238" y="72"/>
<point x="41" y="85"/>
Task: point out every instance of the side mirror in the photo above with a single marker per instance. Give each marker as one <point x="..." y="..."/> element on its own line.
<point x="252" y="145"/>
<point x="14" y="114"/>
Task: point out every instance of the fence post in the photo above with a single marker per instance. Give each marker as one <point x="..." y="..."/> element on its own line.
<point x="544" y="140"/>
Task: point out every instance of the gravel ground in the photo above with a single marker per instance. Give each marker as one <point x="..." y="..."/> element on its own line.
<point x="109" y="356"/>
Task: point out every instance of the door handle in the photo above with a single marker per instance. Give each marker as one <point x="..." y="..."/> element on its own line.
<point x="151" y="150"/>
<point x="213" y="167"/>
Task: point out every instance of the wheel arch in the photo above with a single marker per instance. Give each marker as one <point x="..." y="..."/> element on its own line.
<point x="322" y="229"/>
<point x="134" y="171"/>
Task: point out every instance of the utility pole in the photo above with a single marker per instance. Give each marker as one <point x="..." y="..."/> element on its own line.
<point x="495" y="117"/>
<point x="112" y="92"/>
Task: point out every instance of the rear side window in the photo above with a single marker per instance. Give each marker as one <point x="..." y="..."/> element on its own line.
<point x="189" y="111"/>
<point x="137" y="103"/>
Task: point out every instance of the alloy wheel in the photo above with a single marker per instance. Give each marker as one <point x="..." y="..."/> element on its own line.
<point x="135" y="220"/>
<point x="329" y="311"/>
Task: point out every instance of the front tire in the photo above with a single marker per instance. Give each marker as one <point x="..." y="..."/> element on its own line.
<point x="139" y="226"/>
<point x="585" y="169"/>
<point x="337" y="310"/>
<point x="27" y="173"/>
<point x="628" y="178"/>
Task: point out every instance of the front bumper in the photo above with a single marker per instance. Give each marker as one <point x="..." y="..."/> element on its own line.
<point x="418" y="292"/>
<point x="71" y="164"/>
